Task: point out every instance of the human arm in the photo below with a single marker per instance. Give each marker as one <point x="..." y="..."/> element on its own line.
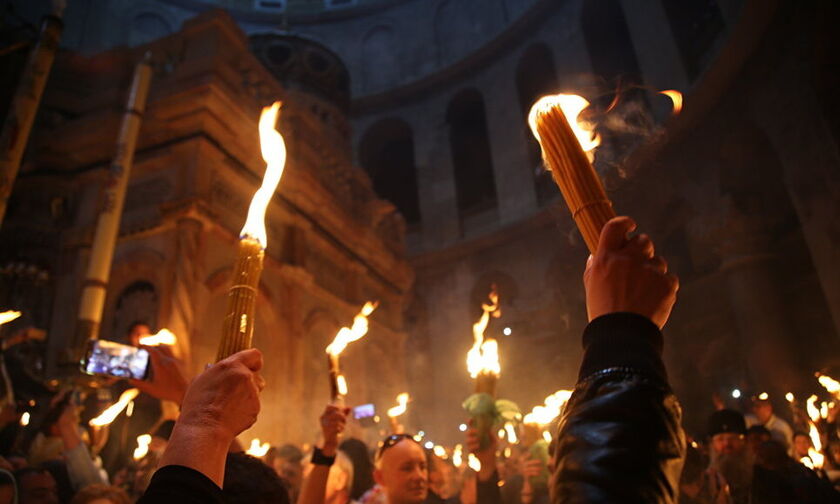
<point x="333" y="422"/>
<point x="620" y="439"/>
<point x="487" y="478"/>
<point x="166" y="380"/>
<point x="218" y="405"/>
<point x="81" y="468"/>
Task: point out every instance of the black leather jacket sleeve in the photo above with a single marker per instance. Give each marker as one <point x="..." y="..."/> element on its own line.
<point x="620" y="438"/>
<point x="175" y="484"/>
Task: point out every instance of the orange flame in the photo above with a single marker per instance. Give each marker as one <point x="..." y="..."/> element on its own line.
<point x="274" y="154"/>
<point x="341" y="381"/>
<point x="544" y="414"/>
<point x="571" y="106"/>
<point x="401" y="407"/>
<point x="162" y="337"/>
<point x="348" y="335"/>
<point x="257" y="449"/>
<point x="143" y="442"/>
<point x="830" y="384"/>
<point x="484" y="354"/>
<point x="111" y="412"/>
<point x="676" y="97"/>
<point x="8" y="316"/>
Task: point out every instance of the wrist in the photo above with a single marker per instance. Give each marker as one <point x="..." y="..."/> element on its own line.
<point x="320" y="457"/>
<point x="329" y="449"/>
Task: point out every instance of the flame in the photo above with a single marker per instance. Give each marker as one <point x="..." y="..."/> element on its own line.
<point x="824" y="410"/>
<point x="8" y="316"/>
<point x="763" y="396"/>
<point x="400" y="408"/>
<point x="547" y="436"/>
<point x="675" y="97"/>
<point x="814" y="451"/>
<point x="274" y="154"/>
<point x="511" y="433"/>
<point x="457" y="456"/>
<point x="789" y="396"/>
<point x="110" y="414"/>
<point x="256" y="449"/>
<point x="24" y="419"/>
<point x="341" y="381"/>
<point x="163" y="337"/>
<point x="473" y="462"/>
<point x="544" y="414"/>
<point x="143" y="442"/>
<point x="348" y="335"/>
<point x="830" y="384"/>
<point x="483" y="357"/>
<point x="571" y="106"/>
<point x="440" y="451"/>
<point x="811" y="407"/>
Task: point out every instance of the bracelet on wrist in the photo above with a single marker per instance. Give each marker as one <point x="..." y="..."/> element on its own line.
<point x="318" y="458"/>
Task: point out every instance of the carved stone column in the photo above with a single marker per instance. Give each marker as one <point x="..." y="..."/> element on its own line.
<point x="186" y="283"/>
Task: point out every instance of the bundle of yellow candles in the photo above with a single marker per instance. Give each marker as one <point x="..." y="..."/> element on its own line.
<point x="345" y="336"/>
<point x="238" y="325"/>
<point x="565" y="147"/>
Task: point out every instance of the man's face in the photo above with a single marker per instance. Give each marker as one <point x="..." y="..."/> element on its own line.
<point x="137" y="332"/>
<point x="38" y="488"/>
<point x="403" y="473"/>
<point x="762" y="410"/>
<point x="801" y="445"/>
<point x="727" y="443"/>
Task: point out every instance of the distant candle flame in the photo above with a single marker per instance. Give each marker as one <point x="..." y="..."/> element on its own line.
<point x="483" y="357"/>
<point x="676" y="97"/>
<point x="763" y="396"/>
<point x="546" y="413"/>
<point x="814" y="454"/>
<point x="571" y="106"/>
<point x="162" y="337"/>
<point x="258" y="449"/>
<point x="8" y="316"/>
<point x="440" y="451"/>
<point x="348" y="335"/>
<point x="341" y="381"/>
<point x="143" y="442"/>
<point x="274" y="154"/>
<point x="547" y="436"/>
<point x="457" y="456"/>
<point x="830" y="384"/>
<point x="789" y="396"/>
<point x="473" y="462"/>
<point x="401" y="407"/>
<point x="511" y="433"/>
<point x="24" y="419"/>
<point x="811" y="408"/>
<point x="110" y="414"/>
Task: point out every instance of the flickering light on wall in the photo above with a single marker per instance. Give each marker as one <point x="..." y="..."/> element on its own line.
<point x="736" y="394"/>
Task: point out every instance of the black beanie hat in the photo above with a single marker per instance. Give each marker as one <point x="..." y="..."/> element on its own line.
<point x="727" y="420"/>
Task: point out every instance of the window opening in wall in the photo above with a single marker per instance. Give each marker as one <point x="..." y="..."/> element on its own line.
<point x="386" y="152"/>
<point x="609" y="44"/>
<point x="471" y="159"/>
<point x="270" y="5"/>
<point x="696" y="25"/>
<point x="536" y="77"/>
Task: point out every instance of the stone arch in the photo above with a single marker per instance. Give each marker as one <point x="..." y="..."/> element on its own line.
<point x="380" y="59"/>
<point x="472" y="160"/>
<point x="138" y="302"/>
<point x="609" y="43"/>
<point x="536" y="76"/>
<point x="386" y="152"/>
<point x="139" y="265"/>
<point x="695" y="24"/>
<point x="462" y="26"/>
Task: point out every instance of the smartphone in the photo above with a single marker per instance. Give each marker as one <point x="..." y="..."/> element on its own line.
<point x="365" y="414"/>
<point x="115" y="359"/>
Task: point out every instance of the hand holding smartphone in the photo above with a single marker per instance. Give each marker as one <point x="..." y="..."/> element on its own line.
<point x="109" y="358"/>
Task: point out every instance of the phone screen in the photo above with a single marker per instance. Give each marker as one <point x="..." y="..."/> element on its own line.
<point x="115" y="359"/>
<point x="365" y="415"/>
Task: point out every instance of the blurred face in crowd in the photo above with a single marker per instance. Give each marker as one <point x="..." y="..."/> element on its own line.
<point x="728" y="443"/>
<point x="754" y="440"/>
<point x="403" y="474"/>
<point x="290" y="471"/>
<point x="136" y="332"/>
<point x="38" y="488"/>
<point x="801" y="443"/>
<point x="762" y="410"/>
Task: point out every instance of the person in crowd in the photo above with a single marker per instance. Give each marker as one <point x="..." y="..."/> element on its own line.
<point x="326" y="483"/>
<point x="36" y="486"/>
<point x="620" y="438"/>
<point x="359" y="455"/>
<point x="287" y="461"/>
<point x="250" y="481"/>
<point x="729" y="454"/>
<point x="700" y="484"/>
<point x="801" y="445"/>
<point x="762" y="414"/>
<point x="101" y="494"/>
<point x="756" y="436"/>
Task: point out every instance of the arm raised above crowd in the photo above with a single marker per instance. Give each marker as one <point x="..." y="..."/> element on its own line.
<point x="333" y="421"/>
<point x="219" y="404"/>
<point x="620" y="439"/>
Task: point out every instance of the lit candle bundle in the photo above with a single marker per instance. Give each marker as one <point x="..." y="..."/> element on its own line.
<point x="483" y="358"/>
<point x="566" y="148"/>
<point x="162" y="337"/>
<point x="238" y="325"/>
<point x="398" y="410"/>
<point x="345" y="336"/>
<point x="113" y="411"/>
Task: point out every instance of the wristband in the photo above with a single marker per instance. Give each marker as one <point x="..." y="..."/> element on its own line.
<point x="318" y="458"/>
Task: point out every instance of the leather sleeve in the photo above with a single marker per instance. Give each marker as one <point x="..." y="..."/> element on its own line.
<point x="620" y="438"/>
<point x="175" y="484"/>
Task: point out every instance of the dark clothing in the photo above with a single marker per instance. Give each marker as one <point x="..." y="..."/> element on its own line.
<point x="620" y="438"/>
<point x="181" y="485"/>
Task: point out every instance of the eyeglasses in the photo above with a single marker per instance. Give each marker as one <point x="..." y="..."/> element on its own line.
<point x="390" y="441"/>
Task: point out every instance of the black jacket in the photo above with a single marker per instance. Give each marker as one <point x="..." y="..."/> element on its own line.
<point x="620" y="439"/>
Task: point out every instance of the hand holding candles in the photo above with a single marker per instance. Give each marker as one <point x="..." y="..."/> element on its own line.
<point x="345" y="336"/>
<point x="238" y="325"/>
<point x="566" y="148"/>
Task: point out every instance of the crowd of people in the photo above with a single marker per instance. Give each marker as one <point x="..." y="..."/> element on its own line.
<point x="619" y="438"/>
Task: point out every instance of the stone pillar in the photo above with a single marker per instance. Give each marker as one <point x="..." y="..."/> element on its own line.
<point x="436" y="181"/>
<point x="506" y="129"/>
<point x="790" y="115"/>
<point x="750" y="266"/>
<point x="186" y="283"/>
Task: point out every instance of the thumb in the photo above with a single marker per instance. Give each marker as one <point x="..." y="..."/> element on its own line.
<point x="614" y="234"/>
